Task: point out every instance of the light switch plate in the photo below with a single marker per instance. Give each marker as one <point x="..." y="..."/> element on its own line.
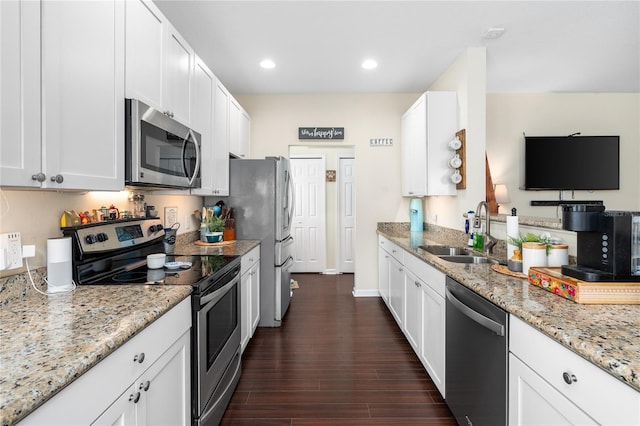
<point x="11" y="250"/>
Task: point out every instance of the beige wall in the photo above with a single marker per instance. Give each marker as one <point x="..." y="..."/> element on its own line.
<point x="550" y="114"/>
<point x="274" y="127"/>
<point x="36" y="214"/>
<point x="466" y="76"/>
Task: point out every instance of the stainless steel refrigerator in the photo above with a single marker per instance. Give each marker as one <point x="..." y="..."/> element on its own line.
<point x="261" y="194"/>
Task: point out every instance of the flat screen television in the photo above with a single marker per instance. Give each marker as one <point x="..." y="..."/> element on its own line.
<point x="572" y="162"/>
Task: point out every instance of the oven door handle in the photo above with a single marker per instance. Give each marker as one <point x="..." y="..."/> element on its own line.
<point x="219" y="293"/>
<point x="487" y="323"/>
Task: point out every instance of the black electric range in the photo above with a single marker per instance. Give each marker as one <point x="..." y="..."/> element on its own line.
<point x="115" y="252"/>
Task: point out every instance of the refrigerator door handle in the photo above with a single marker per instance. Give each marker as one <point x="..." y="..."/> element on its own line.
<point x="292" y="202"/>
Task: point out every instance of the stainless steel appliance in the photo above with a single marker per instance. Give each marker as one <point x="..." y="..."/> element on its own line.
<point x="608" y="243"/>
<point x="476" y="357"/>
<point x="261" y="194"/>
<point x="159" y="151"/>
<point x="115" y="253"/>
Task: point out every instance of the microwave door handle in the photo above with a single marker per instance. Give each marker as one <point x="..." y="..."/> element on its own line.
<point x="184" y="151"/>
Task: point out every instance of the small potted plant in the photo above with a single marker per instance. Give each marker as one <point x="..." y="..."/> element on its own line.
<point x="215" y="228"/>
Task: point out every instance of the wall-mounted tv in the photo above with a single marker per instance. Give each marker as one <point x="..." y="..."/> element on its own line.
<point x="572" y="162"/>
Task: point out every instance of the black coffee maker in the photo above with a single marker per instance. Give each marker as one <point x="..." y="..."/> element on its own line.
<point x="608" y="243"/>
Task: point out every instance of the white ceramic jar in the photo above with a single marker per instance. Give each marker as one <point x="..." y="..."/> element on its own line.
<point x="533" y="254"/>
<point x="558" y="255"/>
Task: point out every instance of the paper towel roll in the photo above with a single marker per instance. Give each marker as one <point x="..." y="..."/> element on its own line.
<point x="59" y="268"/>
<point x="513" y="232"/>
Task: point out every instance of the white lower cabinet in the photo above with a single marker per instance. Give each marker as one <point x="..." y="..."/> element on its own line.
<point x="396" y="290"/>
<point x="431" y="318"/>
<point x="249" y="295"/>
<point x="412" y="310"/>
<point x="551" y="385"/>
<point x="383" y="274"/>
<point x="147" y="381"/>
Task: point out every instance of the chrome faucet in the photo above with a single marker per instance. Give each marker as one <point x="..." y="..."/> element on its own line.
<point x="488" y="241"/>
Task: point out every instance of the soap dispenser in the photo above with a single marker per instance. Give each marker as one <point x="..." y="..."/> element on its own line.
<point x="415" y="215"/>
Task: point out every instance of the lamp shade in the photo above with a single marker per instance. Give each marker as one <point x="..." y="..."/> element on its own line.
<point x="502" y="195"/>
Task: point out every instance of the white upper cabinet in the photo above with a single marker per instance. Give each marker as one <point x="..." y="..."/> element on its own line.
<point x="240" y="129"/>
<point x="68" y="131"/>
<point x="426" y="128"/>
<point x="214" y="170"/>
<point x="20" y="154"/>
<point x="159" y="62"/>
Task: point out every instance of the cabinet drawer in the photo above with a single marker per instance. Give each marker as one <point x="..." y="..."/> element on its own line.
<point x="603" y="397"/>
<point x="427" y="273"/>
<point x="391" y="248"/>
<point x="249" y="259"/>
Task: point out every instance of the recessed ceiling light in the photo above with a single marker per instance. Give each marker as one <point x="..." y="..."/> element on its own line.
<point x="267" y="64"/>
<point x="369" y="64"/>
<point x="493" y="32"/>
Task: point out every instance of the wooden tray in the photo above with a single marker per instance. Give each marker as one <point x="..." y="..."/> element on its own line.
<point x="502" y="269"/>
<point x="222" y="243"/>
<point x="551" y="279"/>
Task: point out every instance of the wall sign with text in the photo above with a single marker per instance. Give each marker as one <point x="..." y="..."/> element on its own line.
<point x="321" y="133"/>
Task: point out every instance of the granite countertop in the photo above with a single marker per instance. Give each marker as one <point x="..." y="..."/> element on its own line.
<point x="606" y="335"/>
<point x="49" y="341"/>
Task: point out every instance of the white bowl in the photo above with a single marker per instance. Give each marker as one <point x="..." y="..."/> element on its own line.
<point x="156" y="261"/>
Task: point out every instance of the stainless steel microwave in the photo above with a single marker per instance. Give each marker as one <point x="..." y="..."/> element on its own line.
<point x="159" y="151"/>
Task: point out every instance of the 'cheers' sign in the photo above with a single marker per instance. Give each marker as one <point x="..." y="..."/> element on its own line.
<point x="320" y="132"/>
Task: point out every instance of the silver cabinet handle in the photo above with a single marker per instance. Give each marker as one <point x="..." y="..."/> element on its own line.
<point x="57" y="178"/>
<point x="40" y="177"/>
<point x="145" y="386"/>
<point x="139" y="358"/>
<point x="488" y="323"/>
<point x="569" y="378"/>
<point x="134" y="397"/>
<point x="417" y="284"/>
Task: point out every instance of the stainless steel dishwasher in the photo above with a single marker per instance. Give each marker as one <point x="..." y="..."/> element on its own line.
<point x="476" y="358"/>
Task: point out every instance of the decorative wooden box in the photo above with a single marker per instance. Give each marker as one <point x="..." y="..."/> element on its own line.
<point x="585" y="292"/>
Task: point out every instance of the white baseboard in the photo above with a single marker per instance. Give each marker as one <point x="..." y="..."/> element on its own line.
<point x="331" y="272"/>
<point x="365" y="293"/>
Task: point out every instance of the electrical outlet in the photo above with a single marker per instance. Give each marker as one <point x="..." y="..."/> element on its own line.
<point x="10" y="251"/>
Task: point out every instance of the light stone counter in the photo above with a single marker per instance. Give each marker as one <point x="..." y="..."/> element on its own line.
<point x="606" y="335"/>
<point x="46" y="342"/>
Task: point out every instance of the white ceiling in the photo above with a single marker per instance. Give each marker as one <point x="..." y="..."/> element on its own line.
<point x="318" y="46"/>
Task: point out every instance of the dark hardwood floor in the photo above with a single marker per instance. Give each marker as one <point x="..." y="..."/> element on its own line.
<point x="336" y="360"/>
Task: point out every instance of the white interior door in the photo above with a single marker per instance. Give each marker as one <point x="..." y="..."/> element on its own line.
<point x="347" y="215"/>
<point x="308" y="227"/>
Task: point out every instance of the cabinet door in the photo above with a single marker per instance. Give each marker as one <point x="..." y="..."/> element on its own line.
<point x="533" y="401"/>
<point x="413" y="310"/>
<point x="202" y="122"/>
<point x="432" y="353"/>
<point x="20" y="89"/>
<point x="396" y="290"/>
<point x="413" y="147"/>
<point x="178" y="70"/>
<point x="383" y="274"/>
<point x="165" y="388"/>
<point x="245" y="134"/>
<point x="83" y="94"/>
<point x="255" y="297"/>
<point x="122" y="412"/>
<point x="234" y="128"/>
<point x="145" y="39"/>
<point x="221" y="140"/>
<point x="245" y="309"/>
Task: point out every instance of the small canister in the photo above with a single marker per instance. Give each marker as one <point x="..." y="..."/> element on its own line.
<point x="533" y="254"/>
<point x="558" y="255"/>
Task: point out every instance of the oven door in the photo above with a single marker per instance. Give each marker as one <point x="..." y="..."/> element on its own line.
<point x="160" y="150"/>
<point x="218" y="343"/>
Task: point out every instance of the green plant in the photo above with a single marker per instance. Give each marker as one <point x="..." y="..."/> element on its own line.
<point x="215" y="224"/>
<point x="530" y="238"/>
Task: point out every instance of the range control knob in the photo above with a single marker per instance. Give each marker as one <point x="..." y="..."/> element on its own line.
<point x="158" y="228"/>
<point x="90" y="239"/>
<point x="102" y="237"/>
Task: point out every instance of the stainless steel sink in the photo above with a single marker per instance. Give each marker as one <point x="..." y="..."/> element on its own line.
<point x="468" y="259"/>
<point x="445" y="250"/>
